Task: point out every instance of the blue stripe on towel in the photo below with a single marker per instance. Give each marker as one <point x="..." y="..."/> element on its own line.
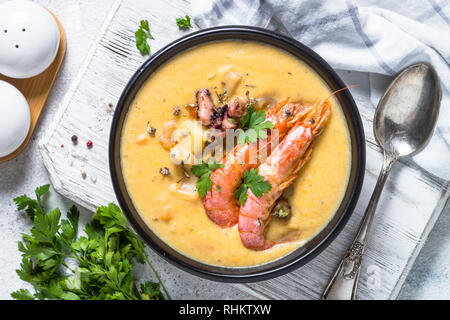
<point x="438" y="9"/>
<point x="432" y="12"/>
<point x="327" y="19"/>
<point x="353" y="11"/>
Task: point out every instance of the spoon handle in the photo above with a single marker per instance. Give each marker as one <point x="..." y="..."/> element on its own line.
<point x="344" y="282"/>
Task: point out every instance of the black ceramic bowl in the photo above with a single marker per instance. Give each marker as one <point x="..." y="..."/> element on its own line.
<point x="297" y="257"/>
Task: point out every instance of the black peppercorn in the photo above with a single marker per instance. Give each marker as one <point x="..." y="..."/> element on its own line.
<point x="164" y="171"/>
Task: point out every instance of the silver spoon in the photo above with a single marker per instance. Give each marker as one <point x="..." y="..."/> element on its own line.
<point x="403" y="124"/>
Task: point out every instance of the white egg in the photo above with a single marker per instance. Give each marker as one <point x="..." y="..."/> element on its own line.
<point x="29" y="39"/>
<point x="14" y="118"/>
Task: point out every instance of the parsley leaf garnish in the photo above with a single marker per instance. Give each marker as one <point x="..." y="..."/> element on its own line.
<point x="203" y="172"/>
<point x="22" y="294"/>
<point x="255" y="182"/>
<point x="282" y="214"/>
<point x="101" y="262"/>
<point x="184" y="23"/>
<point x="253" y="126"/>
<point x="142" y="34"/>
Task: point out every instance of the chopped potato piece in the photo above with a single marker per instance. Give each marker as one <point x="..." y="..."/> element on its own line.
<point x="166" y="136"/>
<point x="185" y="191"/>
<point x="191" y="138"/>
<point x="165" y="214"/>
<point x="142" y="138"/>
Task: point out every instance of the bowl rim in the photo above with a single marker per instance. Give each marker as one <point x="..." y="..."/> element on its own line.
<point x="272" y="268"/>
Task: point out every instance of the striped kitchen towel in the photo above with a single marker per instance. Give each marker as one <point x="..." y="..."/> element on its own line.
<point x="373" y="36"/>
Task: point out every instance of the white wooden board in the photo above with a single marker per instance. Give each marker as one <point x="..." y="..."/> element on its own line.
<point x="409" y="206"/>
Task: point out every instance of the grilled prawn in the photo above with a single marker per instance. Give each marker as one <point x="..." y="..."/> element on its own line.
<point x="280" y="169"/>
<point x="220" y="204"/>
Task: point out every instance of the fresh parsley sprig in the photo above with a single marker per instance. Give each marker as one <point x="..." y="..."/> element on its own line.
<point x="203" y="172"/>
<point x="184" y="23"/>
<point x="253" y="126"/>
<point x="256" y="183"/>
<point x="142" y="35"/>
<point x="101" y="262"/>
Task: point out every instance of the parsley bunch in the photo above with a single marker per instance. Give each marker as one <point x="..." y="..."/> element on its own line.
<point x="256" y="183"/>
<point x="253" y="126"/>
<point x="203" y="172"/>
<point x="141" y="35"/>
<point x="98" y="266"/>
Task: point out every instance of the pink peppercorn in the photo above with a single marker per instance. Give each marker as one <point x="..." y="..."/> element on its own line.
<point x="89" y="144"/>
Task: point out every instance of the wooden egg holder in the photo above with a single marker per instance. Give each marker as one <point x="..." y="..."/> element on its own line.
<point x="37" y="89"/>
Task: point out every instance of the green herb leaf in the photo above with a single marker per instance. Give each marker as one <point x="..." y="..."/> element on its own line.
<point x="142" y="35"/>
<point x="32" y="207"/>
<point x="184" y="23"/>
<point x="282" y="214"/>
<point x="150" y="291"/>
<point x="69" y="227"/>
<point x="241" y="194"/>
<point x="253" y="126"/>
<point x="22" y="294"/>
<point x="255" y="182"/>
<point x="203" y="172"/>
<point x="104" y="258"/>
<point x="40" y="191"/>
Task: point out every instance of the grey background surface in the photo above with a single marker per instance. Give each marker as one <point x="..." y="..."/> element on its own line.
<point x="82" y="19"/>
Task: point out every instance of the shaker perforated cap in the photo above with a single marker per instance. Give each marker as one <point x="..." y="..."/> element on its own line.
<point x="29" y="39"/>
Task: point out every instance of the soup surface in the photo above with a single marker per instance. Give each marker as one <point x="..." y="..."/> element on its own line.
<point x="181" y="221"/>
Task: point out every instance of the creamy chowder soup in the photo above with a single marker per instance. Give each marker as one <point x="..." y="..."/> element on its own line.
<point x="179" y="217"/>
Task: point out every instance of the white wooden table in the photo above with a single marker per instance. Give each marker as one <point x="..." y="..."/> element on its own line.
<point x="66" y="165"/>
